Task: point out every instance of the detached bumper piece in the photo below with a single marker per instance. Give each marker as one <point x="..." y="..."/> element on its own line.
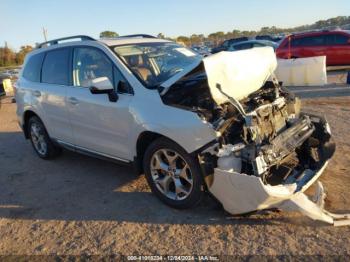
<point x="315" y="208"/>
<point x="309" y="139"/>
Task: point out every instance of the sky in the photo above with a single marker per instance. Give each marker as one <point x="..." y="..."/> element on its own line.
<point x="21" y="22"/>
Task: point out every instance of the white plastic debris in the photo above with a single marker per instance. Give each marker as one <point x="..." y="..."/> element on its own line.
<point x="241" y="193"/>
<point x="310" y="71"/>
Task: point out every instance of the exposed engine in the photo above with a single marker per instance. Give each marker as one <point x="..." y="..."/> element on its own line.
<point x="264" y="135"/>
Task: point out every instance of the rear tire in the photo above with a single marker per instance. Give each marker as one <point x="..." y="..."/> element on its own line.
<point x="41" y="142"/>
<point x="173" y="175"/>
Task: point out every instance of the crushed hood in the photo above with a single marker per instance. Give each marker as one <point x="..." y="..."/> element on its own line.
<point x="239" y="73"/>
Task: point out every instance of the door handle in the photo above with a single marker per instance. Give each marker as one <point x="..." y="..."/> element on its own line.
<point x="73" y="100"/>
<point x="37" y="93"/>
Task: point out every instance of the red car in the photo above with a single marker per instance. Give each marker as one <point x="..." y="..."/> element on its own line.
<point x="335" y="45"/>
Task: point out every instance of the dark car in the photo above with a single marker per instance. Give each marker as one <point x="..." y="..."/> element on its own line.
<point x="335" y="45"/>
<point x="251" y="44"/>
<point x="269" y="38"/>
<point x="227" y="43"/>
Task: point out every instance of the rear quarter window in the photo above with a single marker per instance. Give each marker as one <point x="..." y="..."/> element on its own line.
<point x="32" y="68"/>
<point x="316" y="40"/>
<point x="341" y="39"/>
<point x="56" y="67"/>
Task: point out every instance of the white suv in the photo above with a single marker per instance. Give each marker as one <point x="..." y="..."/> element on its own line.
<point x="188" y="122"/>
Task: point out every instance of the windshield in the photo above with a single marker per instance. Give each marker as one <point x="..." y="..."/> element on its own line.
<point x="154" y="63"/>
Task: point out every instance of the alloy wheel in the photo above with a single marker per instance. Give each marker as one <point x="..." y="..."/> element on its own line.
<point x="171" y="174"/>
<point x="38" y="138"/>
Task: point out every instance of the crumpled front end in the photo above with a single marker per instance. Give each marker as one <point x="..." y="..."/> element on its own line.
<point x="279" y="153"/>
<point x="286" y="167"/>
<point x="267" y="152"/>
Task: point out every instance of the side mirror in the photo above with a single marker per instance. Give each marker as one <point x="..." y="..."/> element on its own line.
<point x="102" y="85"/>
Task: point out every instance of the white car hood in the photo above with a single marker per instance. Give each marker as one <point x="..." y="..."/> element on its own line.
<point x="239" y="73"/>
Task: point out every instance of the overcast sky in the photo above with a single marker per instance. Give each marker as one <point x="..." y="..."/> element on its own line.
<point x="21" y="22"/>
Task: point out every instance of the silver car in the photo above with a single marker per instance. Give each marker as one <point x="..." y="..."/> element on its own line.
<point x="190" y="124"/>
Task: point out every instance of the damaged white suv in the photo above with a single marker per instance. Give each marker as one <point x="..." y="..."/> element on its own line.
<point x="221" y="124"/>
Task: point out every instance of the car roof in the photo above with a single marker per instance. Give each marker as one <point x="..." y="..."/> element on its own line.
<point x="319" y="32"/>
<point x="122" y="40"/>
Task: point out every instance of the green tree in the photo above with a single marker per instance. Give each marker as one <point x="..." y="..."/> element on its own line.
<point x="184" y="40"/>
<point x="195" y="39"/>
<point x="22" y="53"/>
<point x="108" y="34"/>
<point x="236" y="33"/>
<point x="7" y="56"/>
<point x="161" y="35"/>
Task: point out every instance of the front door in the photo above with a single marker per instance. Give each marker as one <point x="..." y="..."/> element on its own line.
<point x="99" y="125"/>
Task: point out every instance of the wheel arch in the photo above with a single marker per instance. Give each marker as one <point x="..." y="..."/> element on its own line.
<point x="26" y="116"/>
<point x="143" y="141"/>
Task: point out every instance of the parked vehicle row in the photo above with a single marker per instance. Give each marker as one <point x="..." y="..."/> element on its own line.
<point x="335" y="45"/>
<point x="10" y="73"/>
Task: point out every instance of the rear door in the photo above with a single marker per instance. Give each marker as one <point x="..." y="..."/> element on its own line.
<point x="338" y="49"/>
<point x="99" y="125"/>
<point x="49" y="96"/>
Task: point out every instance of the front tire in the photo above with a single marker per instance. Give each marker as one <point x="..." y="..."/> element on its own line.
<point x="40" y="139"/>
<point x="173" y="175"/>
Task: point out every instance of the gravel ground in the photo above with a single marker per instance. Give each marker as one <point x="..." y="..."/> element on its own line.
<point x="79" y="205"/>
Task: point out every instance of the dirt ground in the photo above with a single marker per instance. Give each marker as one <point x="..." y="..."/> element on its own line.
<point x="81" y="205"/>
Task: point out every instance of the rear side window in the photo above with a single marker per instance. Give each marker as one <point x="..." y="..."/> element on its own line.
<point x="243" y="46"/>
<point x="337" y="39"/>
<point x="32" y="69"/>
<point x="56" y="67"/>
<point x="309" y="41"/>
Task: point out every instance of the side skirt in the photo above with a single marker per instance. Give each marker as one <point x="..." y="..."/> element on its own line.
<point x="92" y="153"/>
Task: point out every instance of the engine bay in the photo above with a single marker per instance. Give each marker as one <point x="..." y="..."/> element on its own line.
<point x="264" y="135"/>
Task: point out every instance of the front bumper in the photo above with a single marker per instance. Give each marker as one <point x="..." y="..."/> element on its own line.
<point x="241" y="193"/>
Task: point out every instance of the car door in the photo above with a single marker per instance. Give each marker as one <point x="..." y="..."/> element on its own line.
<point x="49" y="96"/>
<point x="338" y="49"/>
<point x="99" y="125"/>
<point x="313" y="45"/>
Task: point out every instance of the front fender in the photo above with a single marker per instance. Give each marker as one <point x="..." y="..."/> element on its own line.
<point x="182" y="126"/>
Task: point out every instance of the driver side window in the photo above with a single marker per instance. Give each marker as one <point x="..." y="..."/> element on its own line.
<point x="88" y="64"/>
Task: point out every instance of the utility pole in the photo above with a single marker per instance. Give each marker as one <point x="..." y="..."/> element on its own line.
<point x="45" y="34"/>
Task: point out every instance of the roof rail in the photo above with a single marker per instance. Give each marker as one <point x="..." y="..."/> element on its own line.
<point x="138" y="35"/>
<point x="56" y="41"/>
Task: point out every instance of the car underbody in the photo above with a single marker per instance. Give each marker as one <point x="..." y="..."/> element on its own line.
<point x="267" y="152"/>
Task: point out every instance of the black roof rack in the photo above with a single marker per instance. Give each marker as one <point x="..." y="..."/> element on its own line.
<point x="137" y="35"/>
<point x="56" y="41"/>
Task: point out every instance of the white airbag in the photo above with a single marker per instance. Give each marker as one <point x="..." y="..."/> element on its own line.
<point x="239" y="73"/>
